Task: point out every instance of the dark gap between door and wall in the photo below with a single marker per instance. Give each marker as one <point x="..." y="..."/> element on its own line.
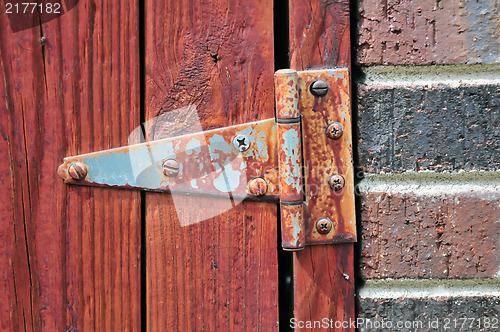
<point x="285" y="259"/>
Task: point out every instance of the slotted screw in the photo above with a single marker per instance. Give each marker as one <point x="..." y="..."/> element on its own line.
<point x="319" y="88"/>
<point x="241" y="143"/>
<point x="170" y="167"/>
<point x="77" y="171"/>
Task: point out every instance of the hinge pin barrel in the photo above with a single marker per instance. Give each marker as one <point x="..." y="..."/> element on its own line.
<point x="290" y="159"/>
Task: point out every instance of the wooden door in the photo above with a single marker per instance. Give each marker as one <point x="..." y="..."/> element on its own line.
<point x="103" y="259"/>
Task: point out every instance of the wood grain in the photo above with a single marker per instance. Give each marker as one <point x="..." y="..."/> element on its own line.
<point x="70" y="255"/>
<point x="323" y="275"/>
<point x="219" y="274"/>
<point x="319" y="34"/>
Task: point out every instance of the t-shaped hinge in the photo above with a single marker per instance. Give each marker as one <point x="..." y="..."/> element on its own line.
<point x="302" y="158"/>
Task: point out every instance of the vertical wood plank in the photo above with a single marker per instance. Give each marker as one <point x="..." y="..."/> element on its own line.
<point x="16" y="242"/>
<point x="71" y="253"/>
<point x="319" y="34"/>
<point x="323" y="275"/>
<point x="219" y="274"/>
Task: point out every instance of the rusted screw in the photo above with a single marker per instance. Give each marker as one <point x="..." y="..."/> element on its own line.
<point x="336" y="182"/>
<point x="170" y="167"/>
<point x="241" y="143"/>
<point x="77" y="171"/>
<point x="323" y="226"/>
<point x="319" y="88"/>
<point x="334" y="130"/>
<point x="257" y="186"/>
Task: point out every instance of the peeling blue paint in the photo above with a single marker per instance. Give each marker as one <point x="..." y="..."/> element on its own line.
<point x="228" y="180"/>
<point x="217" y="143"/>
<point x="292" y="165"/>
<point x="193" y="145"/>
<point x="261" y="151"/>
<point x="139" y="166"/>
<point x="297" y="229"/>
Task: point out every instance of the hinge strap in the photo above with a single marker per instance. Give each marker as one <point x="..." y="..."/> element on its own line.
<point x="204" y="163"/>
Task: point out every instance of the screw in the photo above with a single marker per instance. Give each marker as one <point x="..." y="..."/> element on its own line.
<point x="77" y="171"/>
<point x="241" y="143"/>
<point x="257" y="186"/>
<point x="170" y="167"/>
<point x="324" y="226"/>
<point x="336" y="182"/>
<point x="334" y="130"/>
<point x="319" y="88"/>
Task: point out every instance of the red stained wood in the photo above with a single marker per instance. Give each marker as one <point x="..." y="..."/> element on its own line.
<point x="323" y="275"/>
<point x="319" y="34"/>
<point x="219" y="274"/>
<point x="69" y="256"/>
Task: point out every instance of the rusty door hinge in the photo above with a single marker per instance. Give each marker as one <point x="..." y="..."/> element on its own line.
<point x="303" y="159"/>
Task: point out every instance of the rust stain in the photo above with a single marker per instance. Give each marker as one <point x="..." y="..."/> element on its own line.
<point x="287" y="94"/>
<point x="326" y="156"/>
<point x="292" y="227"/>
<point x="290" y="162"/>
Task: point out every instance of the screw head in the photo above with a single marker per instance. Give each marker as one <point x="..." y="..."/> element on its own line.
<point x="257" y="186"/>
<point x="319" y="88"/>
<point x="324" y="225"/>
<point x="334" y="130"/>
<point x="170" y="167"/>
<point x="336" y="182"/>
<point x="77" y="171"/>
<point x="241" y="143"/>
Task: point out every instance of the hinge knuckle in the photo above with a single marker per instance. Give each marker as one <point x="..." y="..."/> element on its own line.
<point x="290" y="159"/>
<point x="286" y="89"/>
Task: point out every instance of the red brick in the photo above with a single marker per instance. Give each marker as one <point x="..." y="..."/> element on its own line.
<point x="407" y="236"/>
<point x="406" y="32"/>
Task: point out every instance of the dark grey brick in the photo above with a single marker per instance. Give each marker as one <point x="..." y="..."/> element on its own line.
<point x="434" y="128"/>
<point x="447" y="314"/>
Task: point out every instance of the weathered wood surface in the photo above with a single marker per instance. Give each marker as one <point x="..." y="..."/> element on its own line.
<point x="219" y="274"/>
<point x="69" y="255"/>
<point x="319" y="34"/>
<point x="323" y="275"/>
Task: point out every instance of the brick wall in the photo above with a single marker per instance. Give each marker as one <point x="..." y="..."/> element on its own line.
<point x="428" y="115"/>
